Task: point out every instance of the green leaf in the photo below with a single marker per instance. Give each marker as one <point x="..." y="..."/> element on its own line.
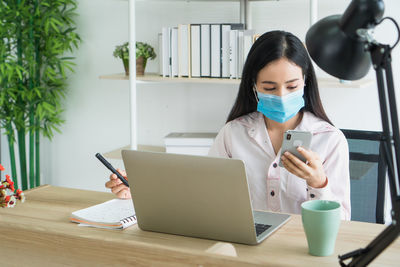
<point x="54" y="26"/>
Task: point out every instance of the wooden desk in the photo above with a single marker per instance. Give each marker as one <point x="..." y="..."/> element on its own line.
<point x="38" y="233"/>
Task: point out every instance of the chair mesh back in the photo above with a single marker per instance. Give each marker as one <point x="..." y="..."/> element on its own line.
<point x="364" y="159"/>
<point x="367" y="175"/>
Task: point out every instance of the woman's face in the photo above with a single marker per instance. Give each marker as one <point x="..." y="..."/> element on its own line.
<point x="280" y="77"/>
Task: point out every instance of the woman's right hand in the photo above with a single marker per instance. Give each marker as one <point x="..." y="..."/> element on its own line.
<point x="117" y="187"/>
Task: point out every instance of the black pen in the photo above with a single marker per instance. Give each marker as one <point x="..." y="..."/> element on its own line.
<point x="111" y="168"/>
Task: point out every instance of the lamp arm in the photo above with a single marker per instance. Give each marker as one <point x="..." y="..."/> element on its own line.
<point x="381" y="59"/>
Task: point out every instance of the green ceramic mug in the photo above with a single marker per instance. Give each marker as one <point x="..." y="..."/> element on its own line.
<point x="321" y="220"/>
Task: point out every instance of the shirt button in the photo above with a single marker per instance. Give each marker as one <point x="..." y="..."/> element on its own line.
<point x="274" y="165"/>
<point x="312" y="195"/>
<point x="272" y="193"/>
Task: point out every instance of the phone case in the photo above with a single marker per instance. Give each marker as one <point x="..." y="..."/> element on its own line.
<point x="292" y="139"/>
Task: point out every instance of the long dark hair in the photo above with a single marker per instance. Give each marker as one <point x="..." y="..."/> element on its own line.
<point x="269" y="47"/>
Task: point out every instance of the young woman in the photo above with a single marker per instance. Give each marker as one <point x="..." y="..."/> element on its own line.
<point x="279" y="92"/>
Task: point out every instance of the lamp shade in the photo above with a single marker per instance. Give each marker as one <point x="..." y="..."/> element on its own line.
<point x="335" y="52"/>
<point x="334" y="43"/>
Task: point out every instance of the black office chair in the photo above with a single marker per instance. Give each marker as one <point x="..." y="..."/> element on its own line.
<point x="367" y="175"/>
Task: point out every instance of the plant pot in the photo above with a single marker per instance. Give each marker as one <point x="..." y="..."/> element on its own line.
<point x="126" y="66"/>
<point x="140" y="65"/>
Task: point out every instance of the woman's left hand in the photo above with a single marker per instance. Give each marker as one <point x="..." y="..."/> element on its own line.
<point x="312" y="172"/>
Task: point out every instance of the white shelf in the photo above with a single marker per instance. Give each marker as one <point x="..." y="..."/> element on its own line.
<point x="156" y="78"/>
<point x="116" y="153"/>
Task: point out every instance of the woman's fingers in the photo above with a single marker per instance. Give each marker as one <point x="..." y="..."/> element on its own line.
<point x="291" y="166"/>
<point x="123" y="193"/>
<point x="116" y="189"/>
<point x="122" y="172"/>
<point x="296" y="161"/>
<point x="312" y="172"/>
<point x="309" y="155"/>
<point x="116" y="185"/>
<point x="112" y="183"/>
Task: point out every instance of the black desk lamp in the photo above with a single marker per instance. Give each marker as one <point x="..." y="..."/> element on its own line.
<point x="343" y="47"/>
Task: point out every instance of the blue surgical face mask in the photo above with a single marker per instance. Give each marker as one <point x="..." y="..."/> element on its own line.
<point x="280" y="108"/>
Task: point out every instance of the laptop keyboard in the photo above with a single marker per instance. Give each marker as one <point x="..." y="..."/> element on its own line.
<point x="261" y="228"/>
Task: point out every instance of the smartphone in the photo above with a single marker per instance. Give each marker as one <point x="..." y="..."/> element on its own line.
<point x="293" y="139"/>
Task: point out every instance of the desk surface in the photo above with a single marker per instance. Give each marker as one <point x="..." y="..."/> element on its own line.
<point x="38" y="232"/>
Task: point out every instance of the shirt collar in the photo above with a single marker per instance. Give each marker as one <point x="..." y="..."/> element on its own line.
<point x="256" y="125"/>
<point x="313" y="124"/>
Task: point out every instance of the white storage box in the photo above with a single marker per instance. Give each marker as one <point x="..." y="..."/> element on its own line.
<point x="189" y="143"/>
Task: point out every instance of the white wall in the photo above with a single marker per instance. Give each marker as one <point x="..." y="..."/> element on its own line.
<point x="97" y="111"/>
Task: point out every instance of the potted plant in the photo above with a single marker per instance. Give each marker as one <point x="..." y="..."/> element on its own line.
<point x="144" y="52"/>
<point x="36" y="38"/>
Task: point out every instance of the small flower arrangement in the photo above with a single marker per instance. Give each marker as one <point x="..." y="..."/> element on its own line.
<point x="8" y="196"/>
<point x="144" y="52"/>
<point x="122" y="51"/>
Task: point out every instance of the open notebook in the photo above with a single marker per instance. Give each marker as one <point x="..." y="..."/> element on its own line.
<point x="112" y="214"/>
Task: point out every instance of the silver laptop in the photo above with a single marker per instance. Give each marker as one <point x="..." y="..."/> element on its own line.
<point x="196" y="196"/>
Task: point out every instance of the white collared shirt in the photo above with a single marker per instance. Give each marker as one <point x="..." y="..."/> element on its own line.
<point x="272" y="187"/>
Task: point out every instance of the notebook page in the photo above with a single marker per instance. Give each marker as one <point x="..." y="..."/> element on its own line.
<point x="109" y="212"/>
